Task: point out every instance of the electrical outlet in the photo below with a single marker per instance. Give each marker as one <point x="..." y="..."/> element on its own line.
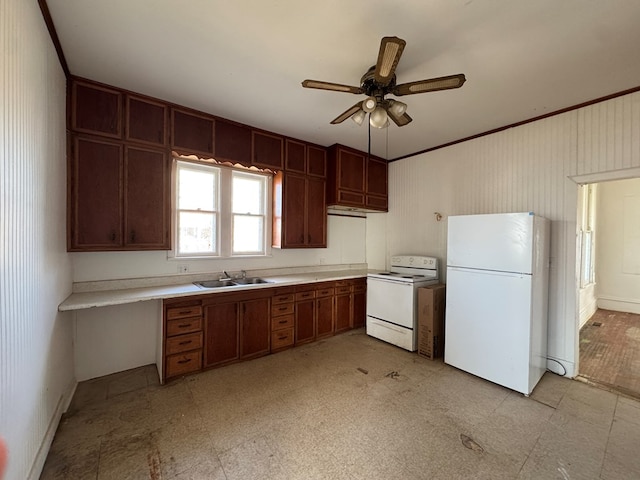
<point x="183" y="268"/>
<point x="323" y="260"/>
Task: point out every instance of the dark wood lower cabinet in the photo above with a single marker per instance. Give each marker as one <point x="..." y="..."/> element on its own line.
<point x="256" y="328"/>
<point x="221" y="329"/>
<point x="207" y="331"/>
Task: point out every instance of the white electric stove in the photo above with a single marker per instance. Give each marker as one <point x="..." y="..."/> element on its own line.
<point x="392" y="299"/>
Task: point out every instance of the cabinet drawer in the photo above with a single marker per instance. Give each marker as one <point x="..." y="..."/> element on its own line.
<point x="183" y="343"/>
<point x="183" y="325"/>
<point x="325" y="292"/>
<point x="284" y="298"/>
<point x="184" y="363"/>
<point x="305" y="295"/>
<point x="342" y="289"/>
<point x="184" y="312"/>
<point x="282" y="338"/>
<point x="359" y="287"/>
<point x="284" y="321"/>
<point x="282" y="309"/>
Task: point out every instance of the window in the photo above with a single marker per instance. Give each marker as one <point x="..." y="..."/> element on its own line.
<point x="220" y="211"/>
<point x="587" y="228"/>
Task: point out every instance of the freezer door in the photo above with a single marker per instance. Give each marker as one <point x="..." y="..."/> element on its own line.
<point x="502" y="242"/>
<point x="488" y="326"/>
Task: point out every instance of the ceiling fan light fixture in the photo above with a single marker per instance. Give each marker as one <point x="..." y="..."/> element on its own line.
<point x="397" y="108"/>
<point x="369" y="104"/>
<point x="379" y="118"/>
<point x="359" y="116"/>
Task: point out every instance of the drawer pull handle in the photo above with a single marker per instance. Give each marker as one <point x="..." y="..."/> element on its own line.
<point x="186" y="342"/>
<point x="283" y="338"/>
<point x="185" y="312"/>
<point x="186" y="360"/>
<point x="282" y="299"/>
<point x="282" y="308"/>
<point x="184" y="325"/>
<point x="282" y="321"/>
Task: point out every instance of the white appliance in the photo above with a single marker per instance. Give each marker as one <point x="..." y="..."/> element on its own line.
<point x="496" y="316"/>
<point x="392" y="308"/>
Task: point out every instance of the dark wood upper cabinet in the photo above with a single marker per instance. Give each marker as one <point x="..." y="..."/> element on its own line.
<point x="147" y="193"/>
<point x="95" y="195"/>
<point x="146" y="121"/>
<point x="267" y="150"/>
<point x="233" y="142"/>
<point x="316" y="161"/>
<point x="295" y="156"/>
<point x="355" y="180"/>
<point x="96" y="109"/>
<point x="192" y="133"/>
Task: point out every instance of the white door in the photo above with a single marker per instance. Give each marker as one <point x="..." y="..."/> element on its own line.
<point x="488" y="325"/>
<point x="391" y="301"/>
<point x="502" y="242"/>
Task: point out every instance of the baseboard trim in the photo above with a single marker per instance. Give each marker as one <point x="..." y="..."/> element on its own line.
<point x="62" y="406"/>
<point x="628" y="305"/>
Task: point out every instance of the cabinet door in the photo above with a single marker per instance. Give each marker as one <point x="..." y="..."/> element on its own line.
<point x="376" y="185"/>
<point x="294" y="210"/>
<point x="343" y="312"/>
<point x="351" y="171"/>
<point x="316" y="213"/>
<point x="233" y="142"/>
<point x="316" y="161"/>
<point x="324" y="316"/>
<point x="256" y="328"/>
<point x="267" y="151"/>
<point x="95" y="195"/>
<point x="359" y="308"/>
<point x="146" y="197"/>
<point x="95" y="109"/>
<point x="192" y="132"/>
<point x="305" y="321"/>
<point x="221" y="330"/>
<point x="146" y="121"/>
<point x="295" y="157"/>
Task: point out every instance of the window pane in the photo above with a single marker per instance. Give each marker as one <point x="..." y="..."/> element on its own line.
<point x="197" y="190"/>
<point x="197" y="233"/>
<point x="248" y="234"/>
<point x="248" y="194"/>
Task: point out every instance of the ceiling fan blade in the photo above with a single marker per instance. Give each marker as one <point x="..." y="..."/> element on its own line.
<point x="431" y="85"/>
<point x="346" y="114"/>
<point x="401" y="120"/>
<point x="335" y="87"/>
<point x="388" y="57"/>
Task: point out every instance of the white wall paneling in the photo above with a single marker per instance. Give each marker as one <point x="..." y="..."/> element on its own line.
<point x="36" y="352"/>
<point x="526" y="168"/>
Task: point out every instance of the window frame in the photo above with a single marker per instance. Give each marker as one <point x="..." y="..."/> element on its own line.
<point x="224" y="225"/>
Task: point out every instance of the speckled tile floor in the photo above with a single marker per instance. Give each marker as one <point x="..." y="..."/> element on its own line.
<point x="350" y="407"/>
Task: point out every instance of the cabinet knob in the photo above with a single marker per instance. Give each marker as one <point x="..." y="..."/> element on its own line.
<point x="113" y="235"/>
<point x="133" y="236"/>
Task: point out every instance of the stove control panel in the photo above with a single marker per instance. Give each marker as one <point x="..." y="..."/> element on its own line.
<point x="417" y="261"/>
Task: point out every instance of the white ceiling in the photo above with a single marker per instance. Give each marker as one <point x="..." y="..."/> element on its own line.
<point x="244" y="59"/>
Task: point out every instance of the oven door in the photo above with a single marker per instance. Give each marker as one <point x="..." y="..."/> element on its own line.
<point x="391" y="300"/>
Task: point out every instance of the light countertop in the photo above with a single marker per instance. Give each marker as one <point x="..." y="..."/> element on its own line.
<point x="104" y="298"/>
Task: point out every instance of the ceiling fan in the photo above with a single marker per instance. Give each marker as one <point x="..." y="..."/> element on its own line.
<point x="379" y="81"/>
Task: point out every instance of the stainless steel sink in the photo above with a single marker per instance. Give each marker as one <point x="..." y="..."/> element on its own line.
<point x="231" y="282"/>
<point x="250" y="281"/>
<point x="214" y="283"/>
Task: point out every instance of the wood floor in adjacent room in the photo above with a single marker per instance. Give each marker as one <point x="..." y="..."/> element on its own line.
<point x="346" y="408"/>
<point x="610" y="350"/>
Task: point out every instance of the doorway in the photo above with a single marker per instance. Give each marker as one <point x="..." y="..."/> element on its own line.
<point x="609" y="284"/>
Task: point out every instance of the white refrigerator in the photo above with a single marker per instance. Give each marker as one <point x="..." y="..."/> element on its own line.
<point x="497" y="295"/>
